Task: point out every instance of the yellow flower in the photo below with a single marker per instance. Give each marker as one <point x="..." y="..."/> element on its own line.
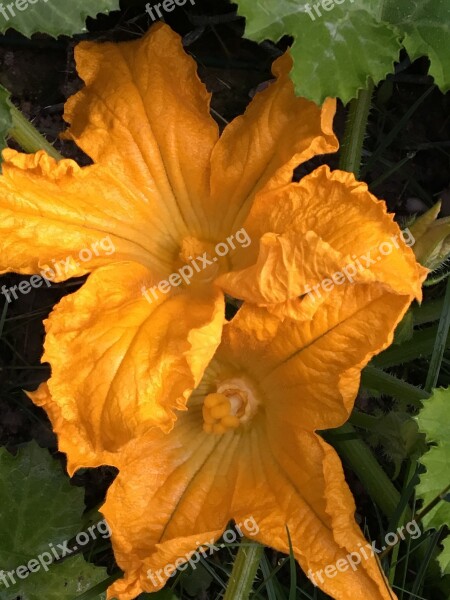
<point x="247" y="450"/>
<point x="165" y="186"/>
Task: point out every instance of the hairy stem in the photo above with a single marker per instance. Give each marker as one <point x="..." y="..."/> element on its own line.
<point x="355" y="130"/>
<point x="244" y="571"/>
<point x="363" y="462"/>
<point x="28" y="137"/>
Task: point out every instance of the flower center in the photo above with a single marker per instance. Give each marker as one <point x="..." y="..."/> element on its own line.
<point x="200" y="264"/>
<point x="232" y="405"/>
<point x="192" y="247"/>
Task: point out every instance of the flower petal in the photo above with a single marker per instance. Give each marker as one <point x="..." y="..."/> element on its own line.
<point x="262" y="148"/>
<point x="68" y="220"/>
<point x="283" y="262"/>
<point x="121" y="365"/>
<point x="145" y="114"/>
<point x="176" y="493"/>
<point x="313" y="367"/>
<point x="348" y="231"/>
<point x="179" y="503"/>
<point x="311" y="498"/>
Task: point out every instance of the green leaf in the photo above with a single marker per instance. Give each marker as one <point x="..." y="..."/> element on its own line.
<point x="5" y="116"/>
<point x="55" y="17"/>
<point x="426" y="25"/>
<point x="196" y="581"/>
<point x="433" y="421"/>
<point x="444" y="557"/>
<point x="405" y="329"/>
<point x="337" y="49"/>
<point x="39" y="509"/>
<point x="396" y="433"/>
<point x="61" y="582"/>
<point x="334" y="54"/>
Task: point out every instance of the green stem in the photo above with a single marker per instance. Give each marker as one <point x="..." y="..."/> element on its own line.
<point x="376" y="379"/>
<point x="364" y="421"/>
<point x="411" y="472"/>
<point x="28" y="137"/>
<point x="419" y="346"/>
<point x="352" y="145"/>
<point x="363" y="462"/>
<point x="440" y="342"/>
<point x="244" y="571"/>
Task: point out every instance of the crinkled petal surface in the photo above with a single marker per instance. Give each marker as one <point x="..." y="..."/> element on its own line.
<point x="168" y="147"/>
<point x="311" y="368"/>
<point x="120" y="364"/>
<point x="145" y="114"/>
<point x="304" y="233"/>
<point x="80" y="218"/>
<point x="177" y="493"/>
<point x="260" y="149"/>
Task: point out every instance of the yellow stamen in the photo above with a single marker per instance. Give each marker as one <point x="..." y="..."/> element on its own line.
<point x="221" y="410"/>
<point x="231" y="422"/>
<point x="233" y="404"/>
<point x="222" y="413"/>
<point x="219" y="429"/>
<point x="213" y="400"/>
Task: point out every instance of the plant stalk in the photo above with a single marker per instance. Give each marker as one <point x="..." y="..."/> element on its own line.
<point x="376" y="379"/>
<point x="244" y="571"/>
<point x="355" y="130"/>
<point x="28" y="137"/>
<point x="363" y="462"/>
<point x="440" y="342"/>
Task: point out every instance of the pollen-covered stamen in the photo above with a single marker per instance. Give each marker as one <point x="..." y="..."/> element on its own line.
<point x="231" y="406"/>
<point x="218" y="414"/>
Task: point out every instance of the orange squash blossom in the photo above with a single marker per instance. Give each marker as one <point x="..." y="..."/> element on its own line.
<point x="246" y="449"/>
<point x="165" y="186"/>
